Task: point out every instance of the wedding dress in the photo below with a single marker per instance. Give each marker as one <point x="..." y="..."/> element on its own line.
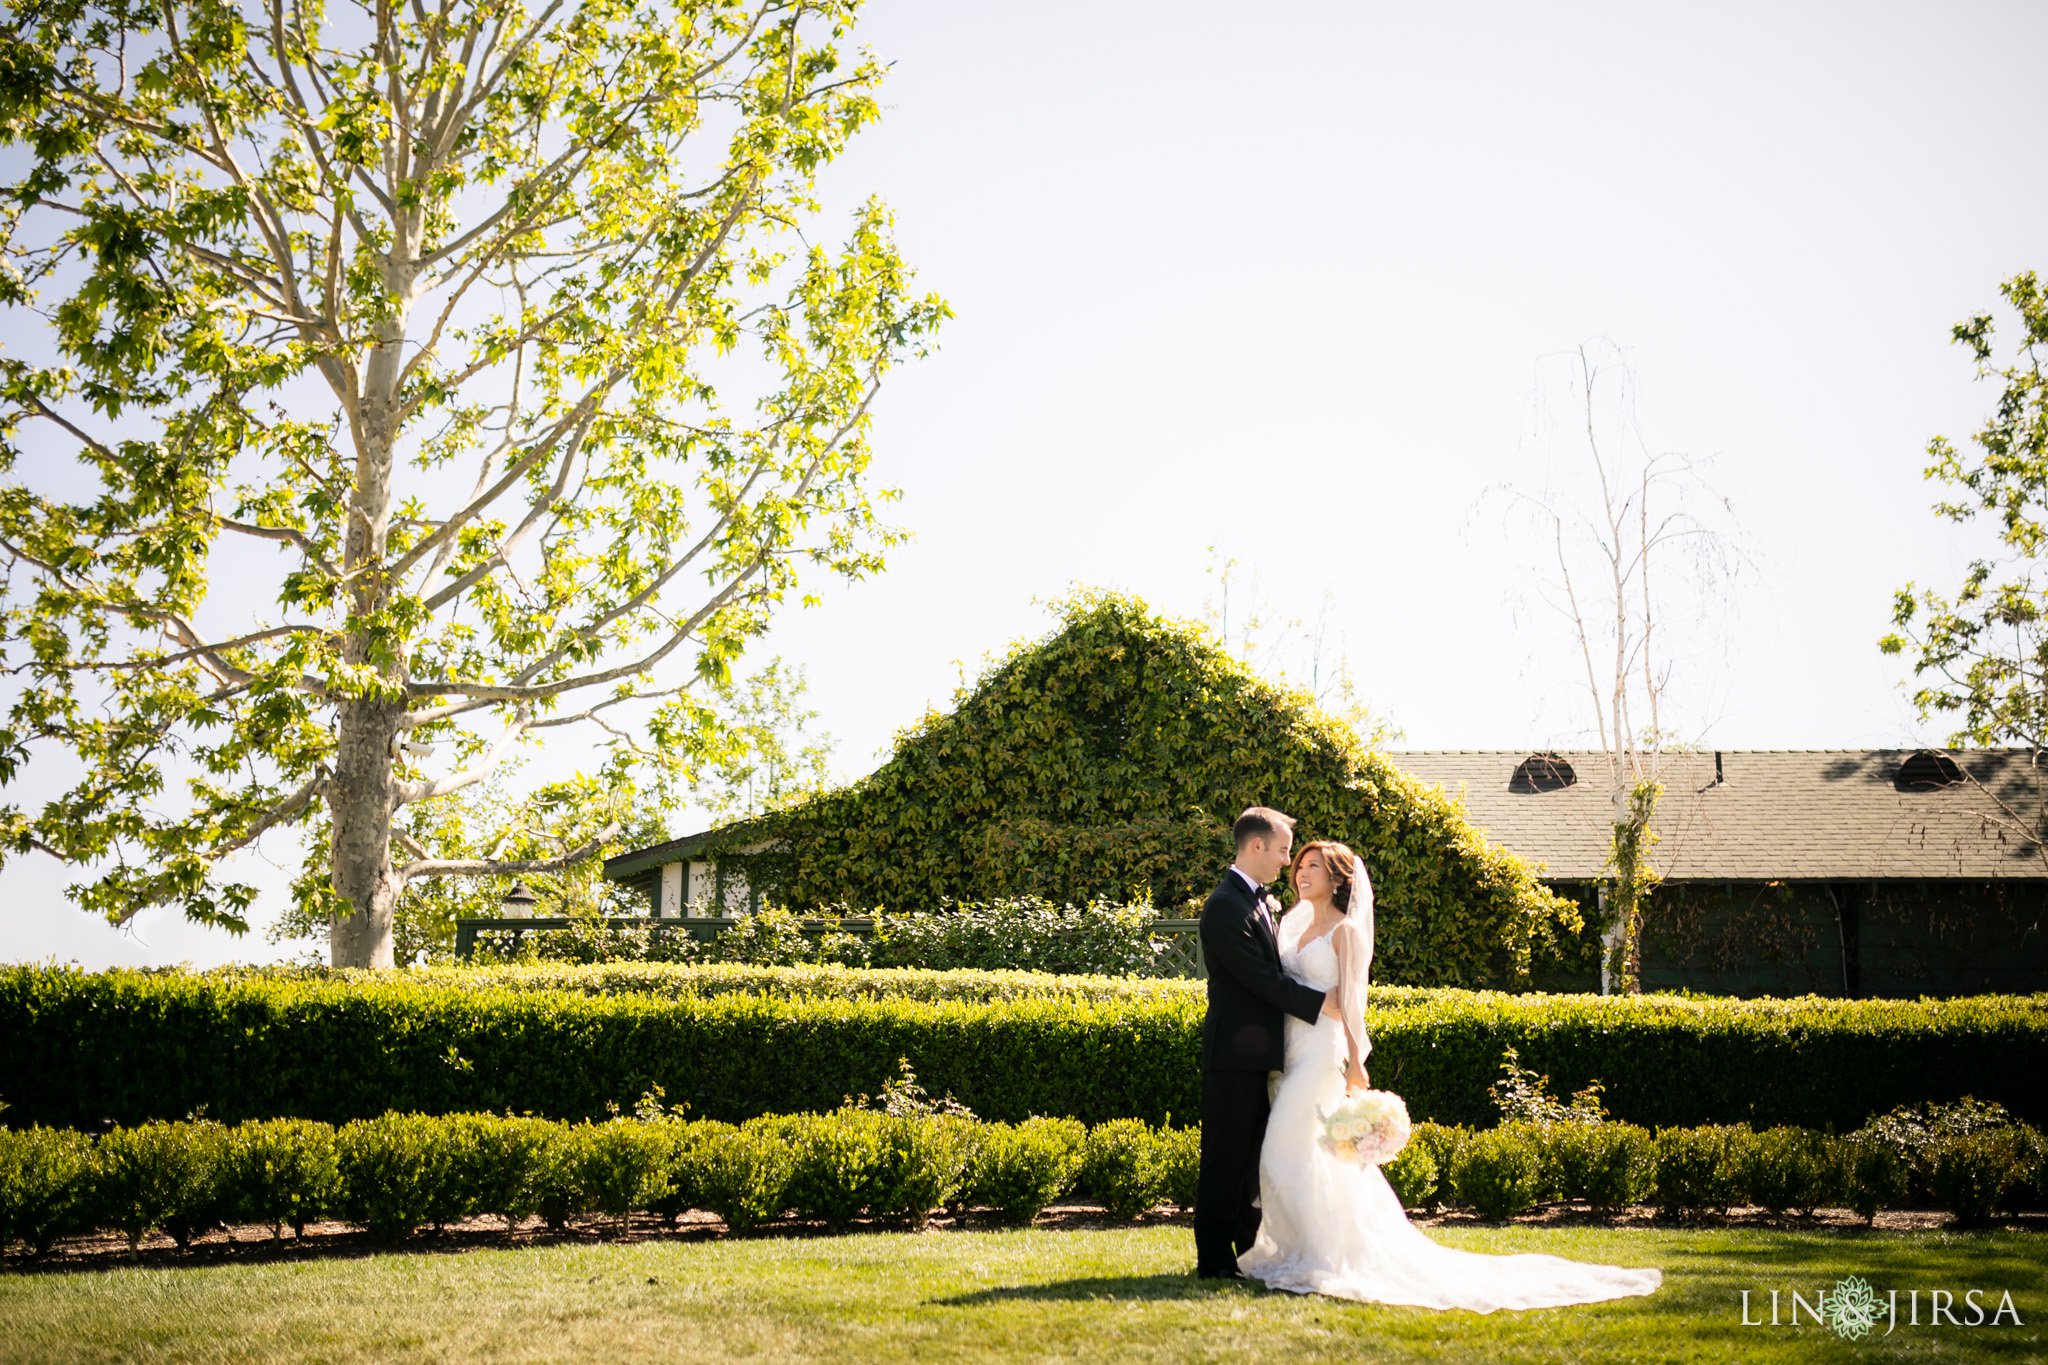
<point x="1329" y="1227"/>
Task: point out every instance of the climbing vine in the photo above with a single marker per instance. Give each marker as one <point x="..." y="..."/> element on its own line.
<point x="1106" y="761"/>
<point x="1629" y="890"/>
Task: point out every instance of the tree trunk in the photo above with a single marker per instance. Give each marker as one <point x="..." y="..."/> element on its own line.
<point x="1622" y="947"/>
<point x="364" y="794"/>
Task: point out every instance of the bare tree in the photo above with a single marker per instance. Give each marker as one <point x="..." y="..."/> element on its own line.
<point x="1631" y="559"/>
<point x="1311" y="654"/>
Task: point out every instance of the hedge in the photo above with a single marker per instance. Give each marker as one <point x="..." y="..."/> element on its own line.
<point x="1020" y="932"/>
<point x="398" y="1173"/>
<point x="84" y="1049"/>
<point x="675" y="980"/>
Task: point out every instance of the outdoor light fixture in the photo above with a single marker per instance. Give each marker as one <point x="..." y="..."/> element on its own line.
<point x="519" y="902"/>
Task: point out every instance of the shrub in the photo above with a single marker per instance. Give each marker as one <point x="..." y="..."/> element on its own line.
<point x="559" y="1193"/>
<point x="1914" y="1131"/>
<point x="745" y="1176"/>
<point x="133" y="1046"/>
<point x="284" y="1172"/>
<point x="398" y="1172"/>
<point x="1413" y="1174"/>
<point x="1180" y="1163"/>
<point x="770" y="938"/>
<point x="926" y="1166"/>
<point x="1026" y="933"/>
<point x="1441" y="1142"/>
<point x="820" y="982"/>
<point x="402" y="1171"/>
<point x="1120" y="1167"/>
<point x="1789" y="1168"/>
<point x="683" y="1147"/>
<point x="1021" y="1168"/>
<point x="974" y="1137"/>
<point x="1497" y="1173"/>
<point x="1874" y="1174"/>
<point x="2030" y="1171"/>
<point x="1697" y="1169"/>
<point x="588" y="939"/>
<point x="505" y="1158"/>
<point x="1609" y="1165"/>
<point x="45" y="1185"/>
<point x="838" y="1161"/>
<point x="1547" y="1141"/>
<point x="1523" y="1096"/>
<point x="1973" y="1172"/>
<point x="623" y="1166"/>
<point x="159" y="1175"/>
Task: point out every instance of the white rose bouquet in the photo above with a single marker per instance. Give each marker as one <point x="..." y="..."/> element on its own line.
<point x="1371" y="1126"/>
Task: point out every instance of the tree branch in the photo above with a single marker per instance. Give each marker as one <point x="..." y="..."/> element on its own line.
<point x="505" y="867"/>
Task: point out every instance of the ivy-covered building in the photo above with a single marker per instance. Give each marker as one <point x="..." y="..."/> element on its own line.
<point x="1106" y="761"/>
<point x="1877" y="872"/>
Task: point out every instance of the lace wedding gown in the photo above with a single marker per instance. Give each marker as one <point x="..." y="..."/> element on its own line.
<point x="1328" y="1227"/>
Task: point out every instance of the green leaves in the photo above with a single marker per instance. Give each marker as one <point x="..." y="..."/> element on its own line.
<point x="1983" y="654"/>
<point x="338" y="1045"/>
<point x="415" y="326"/>
<point x="1106" y="762"/>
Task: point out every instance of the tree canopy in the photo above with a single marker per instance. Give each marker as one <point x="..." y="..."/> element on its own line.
<point x="388" y="386"/>
<point x="1982" y="655"/>
<point x="1108" y="760"/>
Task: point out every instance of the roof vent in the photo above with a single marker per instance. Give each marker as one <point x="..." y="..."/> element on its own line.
<point x="1544" y="772"/>
<point x="1927" y="770"/>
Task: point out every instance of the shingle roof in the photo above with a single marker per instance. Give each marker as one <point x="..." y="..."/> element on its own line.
<point x="1791" y="814"/>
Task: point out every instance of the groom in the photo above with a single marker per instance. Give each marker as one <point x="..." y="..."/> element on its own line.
<point x="1244" y="1036"/>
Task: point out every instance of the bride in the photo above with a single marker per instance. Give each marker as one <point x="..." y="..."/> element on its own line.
<point x="1329" y="1227"/>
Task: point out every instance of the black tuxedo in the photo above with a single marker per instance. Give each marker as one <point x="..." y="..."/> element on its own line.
<point x="1244" y="1036"/>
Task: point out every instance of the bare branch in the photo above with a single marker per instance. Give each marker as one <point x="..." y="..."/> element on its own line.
<point x="505" y="867"/>
<point x="410" y="792"/>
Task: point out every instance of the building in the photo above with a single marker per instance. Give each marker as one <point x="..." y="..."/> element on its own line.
<point x="1881" y="872"/>
<point x="1854" y="872"/>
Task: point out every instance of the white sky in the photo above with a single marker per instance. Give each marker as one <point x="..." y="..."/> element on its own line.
<point x="1286" y="286"/>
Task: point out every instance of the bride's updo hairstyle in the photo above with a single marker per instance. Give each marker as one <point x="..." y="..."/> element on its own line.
<point x="1341" y="863"/>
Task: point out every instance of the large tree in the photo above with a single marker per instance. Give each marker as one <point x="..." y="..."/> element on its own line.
<point x="388" y="386"/>
<point x="1982" y="655"/>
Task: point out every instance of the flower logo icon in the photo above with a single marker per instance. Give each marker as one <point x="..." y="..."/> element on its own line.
<point x="1852" y="1307"/>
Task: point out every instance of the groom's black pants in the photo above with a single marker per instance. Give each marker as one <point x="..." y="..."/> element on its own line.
<point x="1234" y="1110"/>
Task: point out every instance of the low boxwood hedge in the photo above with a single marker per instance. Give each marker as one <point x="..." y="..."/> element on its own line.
<point x="84" y="1049"/>
<point x="396" y="1174"/>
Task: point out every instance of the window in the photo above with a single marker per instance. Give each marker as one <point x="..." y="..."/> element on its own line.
<point x="1927" y="770"/>
<point x="1544" y="772"/>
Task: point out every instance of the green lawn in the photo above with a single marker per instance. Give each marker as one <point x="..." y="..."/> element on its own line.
<point x="1112" y="1294"/>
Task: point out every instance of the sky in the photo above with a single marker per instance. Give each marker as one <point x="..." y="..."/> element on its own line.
<point x="1301" y="289"/>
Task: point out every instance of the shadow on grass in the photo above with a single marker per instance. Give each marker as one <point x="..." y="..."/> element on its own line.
<point x="252" y="1245"/>
<point x="1105" y="1289"/>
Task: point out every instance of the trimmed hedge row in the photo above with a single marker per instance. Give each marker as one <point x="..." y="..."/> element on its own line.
<point x="680" y="980"/>
<point x="1022" y="931"/>
<point x="83" y="1049"/>
<point x="397" y="1173"/>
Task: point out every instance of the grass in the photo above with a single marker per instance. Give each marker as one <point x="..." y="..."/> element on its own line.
<point x="1098" y="1294"/>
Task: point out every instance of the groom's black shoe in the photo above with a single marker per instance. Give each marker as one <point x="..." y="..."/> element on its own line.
<point x="1232" y="1274"/>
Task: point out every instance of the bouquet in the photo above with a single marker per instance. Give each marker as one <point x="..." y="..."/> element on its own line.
<point x="1371" y="1126"/>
